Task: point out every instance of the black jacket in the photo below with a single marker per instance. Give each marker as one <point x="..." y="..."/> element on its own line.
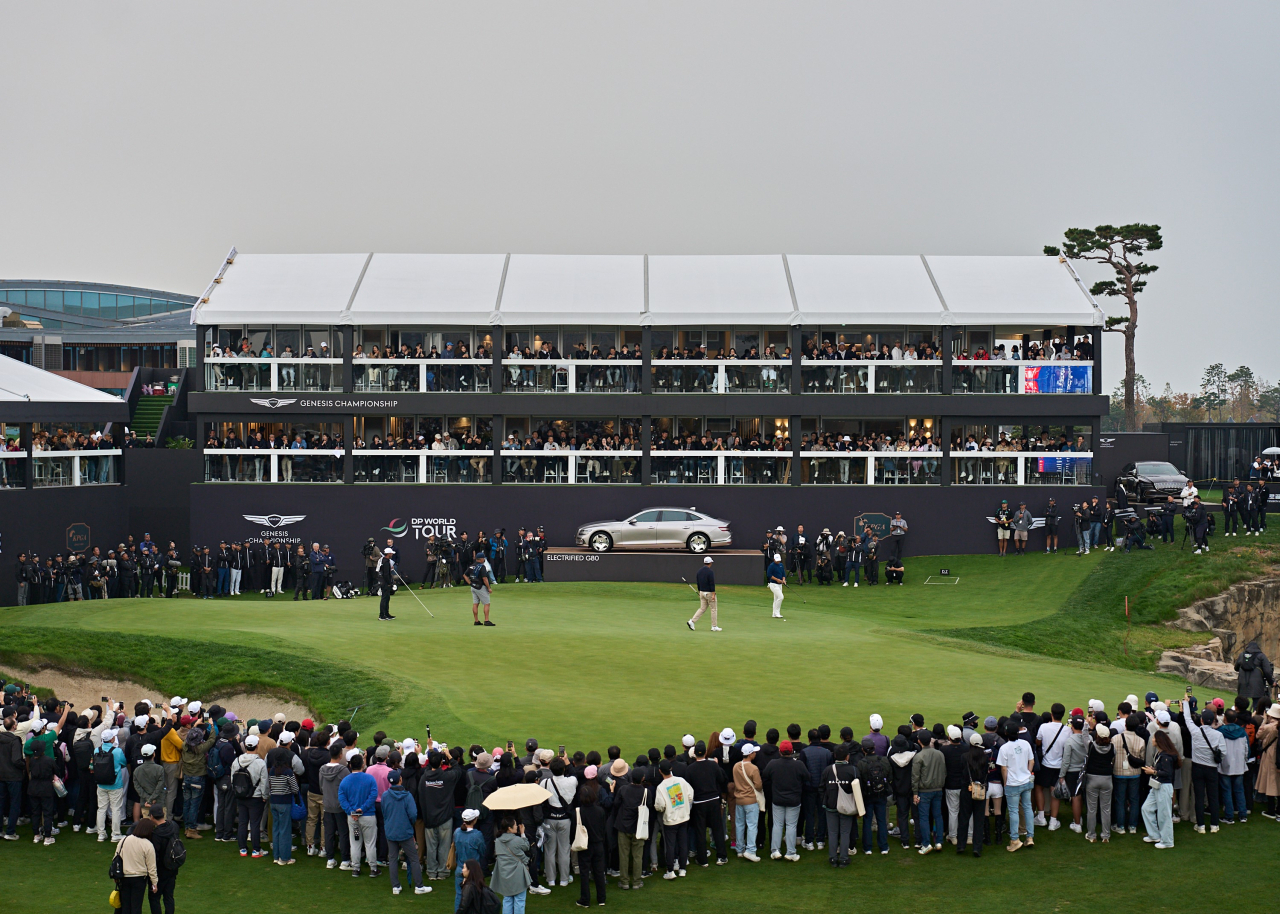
<point x="957" y="773"/>
<point x="706" y="778"/>
<point x="436" y="790"/>
<point x="836" y="777"/>
<point x="784" y="779"/>
<point x="628" y="801"/>
<point x="593" y="820"/>
<point x="161" y="838"/>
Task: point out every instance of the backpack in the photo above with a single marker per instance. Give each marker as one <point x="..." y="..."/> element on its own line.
<point x="876" y="785"/>
<point x="82" y="749"/>
<point x="175" y="855"/>
<point x="104" y="768"/>
<point x="475" y="795"/>
<point x="490" y="901"/>
<point x="213" y="761"/>
<point x="242" y="783"/>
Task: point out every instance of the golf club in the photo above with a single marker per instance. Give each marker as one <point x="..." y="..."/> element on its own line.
<point x="414" y="595"/>
<point x="802" y="599"/>
<point x="691" y="587"/>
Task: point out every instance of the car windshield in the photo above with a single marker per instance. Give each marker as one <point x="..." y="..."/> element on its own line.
<point x="1158" y="469"/>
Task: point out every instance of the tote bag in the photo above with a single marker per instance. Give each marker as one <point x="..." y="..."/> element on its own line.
<point x="642" y="818"/>
<point x="579" y="833"/>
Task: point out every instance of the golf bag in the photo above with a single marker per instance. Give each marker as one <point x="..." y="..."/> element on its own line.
<point x="345" y="590"/>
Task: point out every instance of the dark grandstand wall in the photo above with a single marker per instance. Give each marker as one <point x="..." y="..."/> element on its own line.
<point x="44" y="519"/>
<point x="943" y="521"/>
<point x="159" y="482"/>
<point x="1116" y="449"/>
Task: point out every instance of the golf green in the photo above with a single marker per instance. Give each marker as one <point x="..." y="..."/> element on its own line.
<point x="594" y="664"/>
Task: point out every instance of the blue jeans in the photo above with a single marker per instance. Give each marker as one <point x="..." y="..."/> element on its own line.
<point x="281" y="831"/>
<point x="1231" y="789"/>
<point x="815" y="823"/>
<point x="514" y="904"/>
<point x="10" y="800"/>
<point x="224" y="580"/>
<point x="535" y="569"/>
<point x="746" y="819"/>
<point x="1086" y="531"/>
<point x="1157" y="813"/>
<point x="930" y="813"/>
<point x="1018" y="799"/>
<point x="192" y="800"/>
<point x="1095" y="534"/>
<point x="878" y="809"/>
<point x="1125" y="803"/>
<point x="784" y="817"/>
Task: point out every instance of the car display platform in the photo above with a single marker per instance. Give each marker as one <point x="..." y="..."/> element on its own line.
<point x="731" y="566"/>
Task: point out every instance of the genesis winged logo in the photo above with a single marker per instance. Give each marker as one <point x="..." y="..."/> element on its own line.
<point x="397" y="527"/>
<point x="274" y="520"/>
<point x="273" y="402"/>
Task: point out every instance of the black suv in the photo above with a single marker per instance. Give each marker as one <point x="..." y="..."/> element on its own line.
<point x="1150" y="480"/>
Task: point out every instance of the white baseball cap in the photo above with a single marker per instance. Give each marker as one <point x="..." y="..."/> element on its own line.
<point x="688" y="741"/>
<point x="877" y="722"/>
<point x="954" y="732"/>
<point x="194" y="707"/>
<point x="109" y="736"/>
<point x="251" y="741"/>
<point x="748" y="748"/>
<point x="708" y="560"/>
<point x="148" y="749"/>
<point x="38" y="725"/>
<point x="1163" y="718"/>
<point x="141" y="721"/>
<point x="177" y="702"/>
<point x="352" y="753"/>
<point x="286" y="737"/>
<point x="1095" y="704"/>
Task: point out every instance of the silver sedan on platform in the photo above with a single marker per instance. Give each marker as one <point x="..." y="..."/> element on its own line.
<point x="657" y="528"/>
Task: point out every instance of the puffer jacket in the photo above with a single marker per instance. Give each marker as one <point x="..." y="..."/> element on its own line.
<point x="148" y="781"/>
<point x="1255" y="672"/>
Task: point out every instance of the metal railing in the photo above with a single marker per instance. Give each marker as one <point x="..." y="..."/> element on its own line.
<point x="422" y="375"/>
<point x="269" y="465"/>
<point x="258" y="375"/>
<point x="571" y="375"/>
<point x="721" y="376"/>
<point x="54" y="469"/>
<point x="1022" y="468"/>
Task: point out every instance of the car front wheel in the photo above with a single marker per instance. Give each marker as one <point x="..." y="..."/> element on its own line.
<point x="600" y="542"/>
<point x="698" y="543"/>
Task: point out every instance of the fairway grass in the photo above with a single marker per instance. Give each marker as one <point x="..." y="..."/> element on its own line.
<point x="593" y="664"/>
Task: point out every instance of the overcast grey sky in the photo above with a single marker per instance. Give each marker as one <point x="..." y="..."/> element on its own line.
<point x="142" y="140"/>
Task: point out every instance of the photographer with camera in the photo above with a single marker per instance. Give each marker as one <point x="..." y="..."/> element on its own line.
<point x="172" y="565"/>
<point x="1051" y="518"/>
<point x="1080" y="519"/>
<point x="498" y="554"/>
<point x="1135" y="536"/>
<point x="1197" y="523"/>
<point x="372" y="558"/>
<point x="1166" y="519"/>
<point x="148" y="566"/>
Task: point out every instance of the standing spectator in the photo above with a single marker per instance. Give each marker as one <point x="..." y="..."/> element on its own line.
<point x="928" y="775"/>
<point x="12" y="771"/>
<point x="398" y="814"/>
<point x="563" y="789"/>
<point x="901" y="754"/>
<point x="816" y="758"/>
<point x="358" y="796"/>
<point x="162" y="838"/>
<point x="674" y="799"/>
<point x="1017" y="761"/>
<point x="1206" y="749"/>
<point x="196" y="743"/>
<point x="249" y="787"/>
<point x="837" y="778"/>
<point x="876" y="776"/>
<point x="337" y="838"/>
<point x="784" y="779"/>
<point x="1256" y="674"/>
<point x="1157" y="811"/>
<point x="111" y="797"/>
<point x="708" y="781"/>
<point x="40" y="774"/>
<point x="469" y="848"/>
<point x="977" y="764"/>
<point x="138" y="856"/>
<point x="1099" y="768"/>
<point x="282" y="786"/>
<point x="593" y="861"/>
<point x="436" y="788"/>
<point x="630" y="797"/>
<point x="1074" y="753"/>
<point x="511" y="877"/>
<point x="747" y="789"/>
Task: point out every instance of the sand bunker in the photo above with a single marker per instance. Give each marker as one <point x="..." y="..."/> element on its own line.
<point x="84" y="691"/>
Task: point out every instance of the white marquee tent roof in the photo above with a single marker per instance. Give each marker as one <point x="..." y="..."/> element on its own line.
<point x="637" y="290"/>
<point x="23" y="383"/>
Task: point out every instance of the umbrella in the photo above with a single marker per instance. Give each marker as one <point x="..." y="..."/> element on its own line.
<point x="1272" y="451"/>
<point x="518" y="796"/>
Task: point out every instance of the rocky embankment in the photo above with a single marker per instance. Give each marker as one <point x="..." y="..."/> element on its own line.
<point x="1245" y="612"/>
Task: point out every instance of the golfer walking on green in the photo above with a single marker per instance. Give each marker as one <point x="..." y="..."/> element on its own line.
<point x="477" y="575"/>
<point x="706" y="594"/>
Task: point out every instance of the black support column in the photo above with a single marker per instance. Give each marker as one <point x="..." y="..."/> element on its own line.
<point x="1096" y="339"/>
<point x="499" y="438"/>
<point x="496" y="374"/>
<point x="646" y="441"/>
<point x="198" y="383"/>
<point x="348" y="376"/>
<point x="944" y="433"/>
<point x="1095" y="434"/>
<point x="797" y="379"/>
<point x="795" y="449"/>
<point x="947" y="338"/>
<point x="348" y="422"/>
<point x="24" y="440"/>
<point x="646" y="375"/>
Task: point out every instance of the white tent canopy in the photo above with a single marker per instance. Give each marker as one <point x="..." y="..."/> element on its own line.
<point x="23" y="383"/>
<point x="635" y="290"/>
